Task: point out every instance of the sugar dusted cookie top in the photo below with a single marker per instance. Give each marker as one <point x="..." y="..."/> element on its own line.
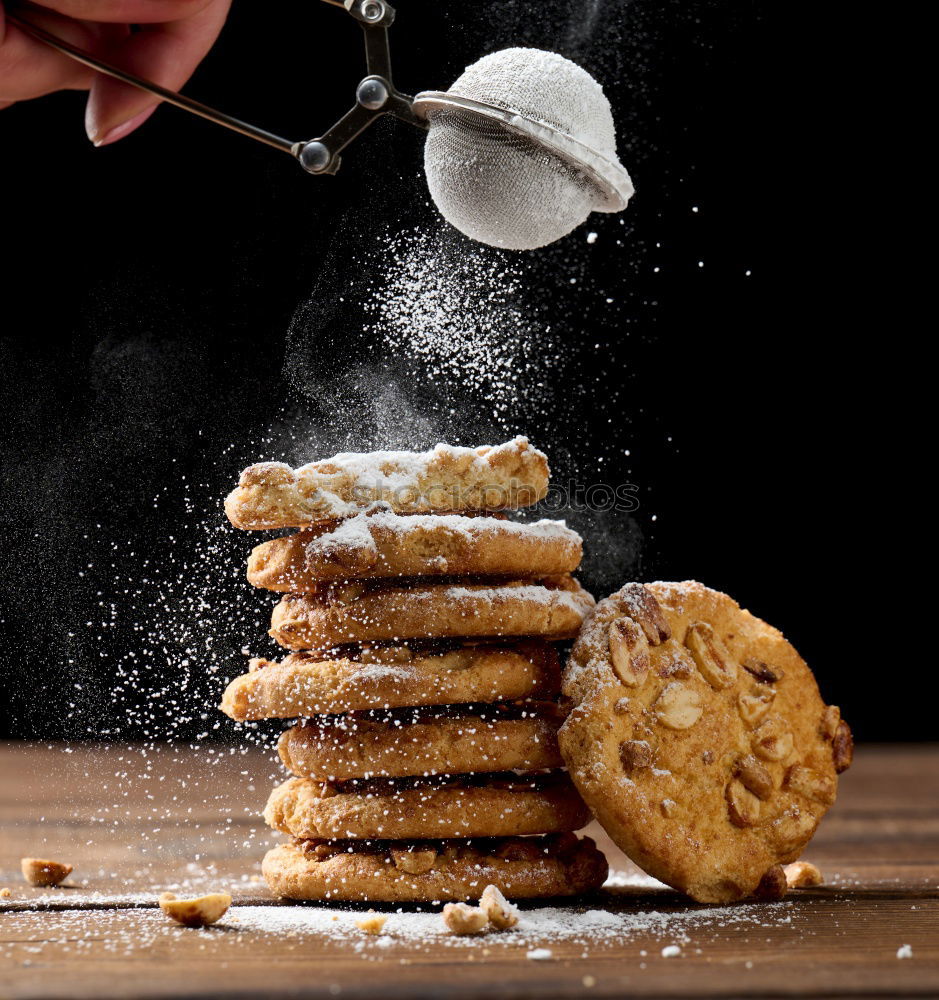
<point x="445" y="480"/>
<point x="698" y="739"/>
<point x="379" y="543"/>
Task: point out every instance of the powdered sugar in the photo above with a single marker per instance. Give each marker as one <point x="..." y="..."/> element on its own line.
<point x="541" y="932"/>
<point x="354" y="533"/>
<point x="575" y="600"/>
<point x="461" y="311"/>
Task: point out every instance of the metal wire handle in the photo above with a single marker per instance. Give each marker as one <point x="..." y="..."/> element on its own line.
<point x="376" y="95"/>
<point x="170" y="96"/>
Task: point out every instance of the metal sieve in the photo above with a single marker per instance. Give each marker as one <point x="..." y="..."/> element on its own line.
<point x="519" y="151"/>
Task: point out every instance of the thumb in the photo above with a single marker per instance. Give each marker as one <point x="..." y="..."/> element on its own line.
<point x="166" y="53"/>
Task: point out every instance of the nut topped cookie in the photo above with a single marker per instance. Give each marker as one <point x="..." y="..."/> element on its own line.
<point x="699" y="739"/>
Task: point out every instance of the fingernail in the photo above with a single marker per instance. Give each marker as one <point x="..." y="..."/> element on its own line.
<point x="125" y="128"/>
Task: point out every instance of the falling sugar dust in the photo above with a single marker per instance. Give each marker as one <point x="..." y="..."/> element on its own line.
<point x="434" y="337"/>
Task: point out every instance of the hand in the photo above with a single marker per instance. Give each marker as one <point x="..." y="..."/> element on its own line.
<point x="169" y="38"/>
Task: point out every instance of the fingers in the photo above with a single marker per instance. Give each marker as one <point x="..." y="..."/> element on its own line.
<point x="127" y="11"/>
<point x="166" y="53"/>
<point x="30" y="69"/>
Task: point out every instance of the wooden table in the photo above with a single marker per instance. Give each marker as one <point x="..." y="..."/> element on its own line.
<point x="135" y="823"/>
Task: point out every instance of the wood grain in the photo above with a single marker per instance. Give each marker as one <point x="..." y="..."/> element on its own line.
<point x="135" y="822"/>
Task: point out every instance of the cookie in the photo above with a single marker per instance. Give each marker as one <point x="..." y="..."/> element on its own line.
<point x="362" y="678"/>
<point x="433" y="871"/>
<point x="698" y="738"/>
<point x="379" y="543"/>
<point x="371" y="610"/>
<point x="500" y="805"/>
<point x="444" y="480"/>
<point x="422" y="742"/>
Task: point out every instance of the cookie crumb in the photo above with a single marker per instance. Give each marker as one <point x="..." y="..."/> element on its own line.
<point x="802" y="875"/>
<point x="501" y="913"/>
<point x="41" y="873"/>
<point x="671" y="951"/>
<point x="5" y="893"/>
<point x="589" y="981"/>
<point x="773" y="885"/>
<point x="372" y="924"/>
<point x="198" y="912"/>
<point x="462" y="919"/>
<point x="539" y="954"/>
<point x="904" y="951"/>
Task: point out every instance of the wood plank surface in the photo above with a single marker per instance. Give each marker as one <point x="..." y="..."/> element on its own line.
<point x="134" y="822"/>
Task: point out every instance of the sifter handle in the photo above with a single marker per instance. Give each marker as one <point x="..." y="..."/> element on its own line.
<point x="170" y="96"/>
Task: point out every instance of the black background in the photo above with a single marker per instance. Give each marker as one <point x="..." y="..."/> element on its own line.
<point x="148" y="290"/>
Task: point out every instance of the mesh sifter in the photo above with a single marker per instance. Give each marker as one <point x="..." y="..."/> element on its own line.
<point x="522" y="149"/>
<point x="519" y="151"/>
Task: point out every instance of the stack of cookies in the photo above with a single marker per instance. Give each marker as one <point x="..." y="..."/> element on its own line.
<point x="421" y="621"/>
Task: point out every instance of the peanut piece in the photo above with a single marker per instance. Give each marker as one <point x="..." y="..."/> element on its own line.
<point x="772" y="885"/>
<point x="754" y="706"/>
<point x="645" y="609"/>
<point x="793" y="829"/>
<point x="629" y="651"/>
<point x="501" y="913"/>
<point x="678" y="706"/>
<point x="772" y="741"/>
<point x="842" y="747"/>
<point x="414" y="862"/>
<point x="743" y="806"/>
<point x="635" y="755"/>
<point x="802" y="875"/>
<point x="41" y="873"/>
<point x="371" y="924"/>
<point x="761" y="671"/>
<point x="518" y="850"/>
<point x="829" y="724"/>
<point x="754" y="776"/>
<point x="709" y="654"/>
<point x="811" y="784"/>
<point x="199" y="912"/>
<point x="463" y="919"/>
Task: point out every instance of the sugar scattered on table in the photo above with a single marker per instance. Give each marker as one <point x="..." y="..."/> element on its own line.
<point x="539" y="954"/>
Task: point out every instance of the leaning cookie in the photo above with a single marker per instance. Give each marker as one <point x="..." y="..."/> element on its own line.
<point x="430" y="872"/>
<point x="376" y="610"/>
<point x="359" y="679"/>
<point x="429" y="741"/>
<point x="445" y="480"/>
<point x="698" y="739"/>
<point x="380" y="543"/>
<point x="499" y="805"/>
